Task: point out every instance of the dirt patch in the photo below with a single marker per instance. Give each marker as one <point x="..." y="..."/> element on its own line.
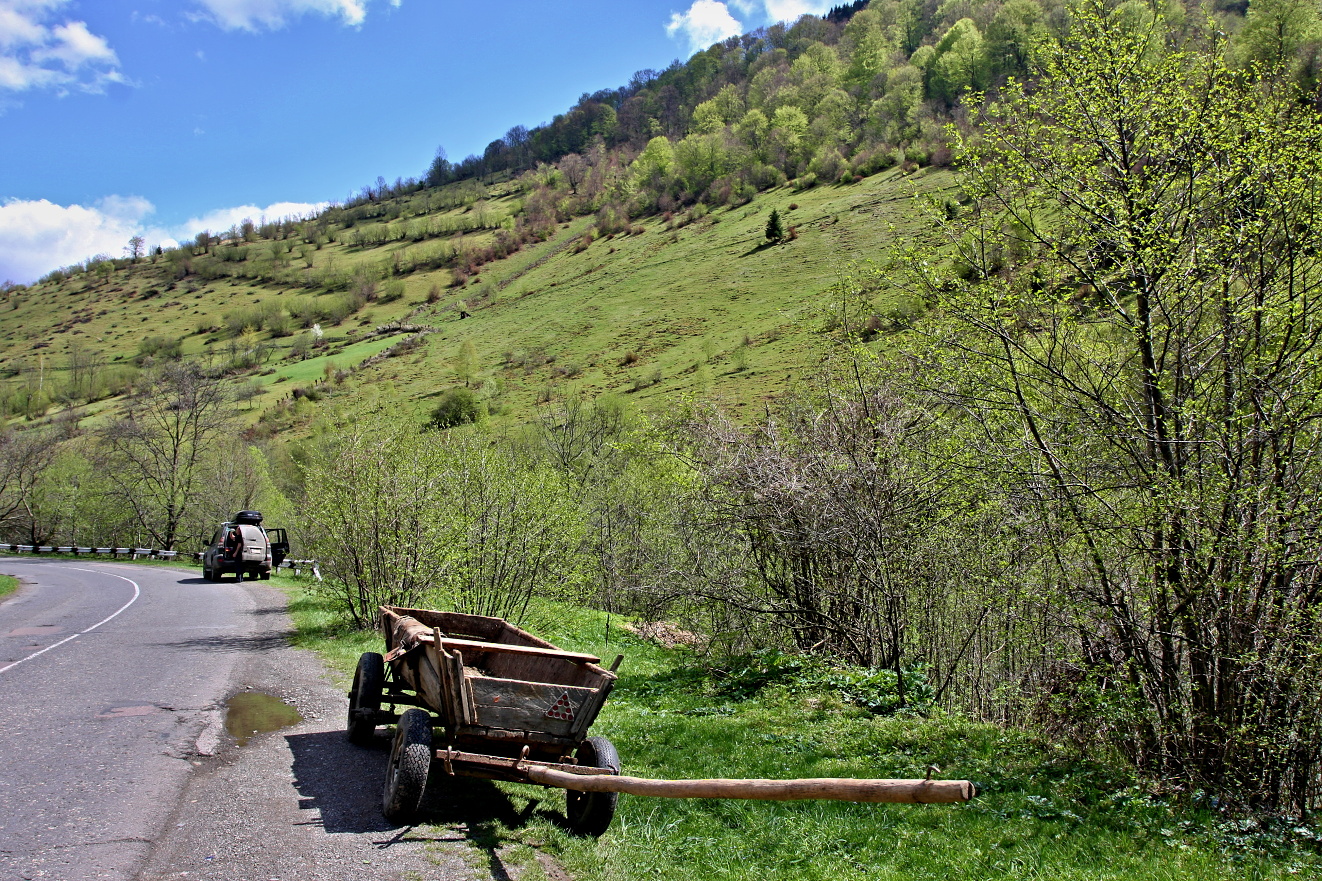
<point x="665" y="633"/>
<point x="552" y="869"/>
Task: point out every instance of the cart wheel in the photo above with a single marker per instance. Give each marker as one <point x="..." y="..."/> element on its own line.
<point x="590" y="813"/>
<point x="369" y="681"/>
<point x="410" y="760"/>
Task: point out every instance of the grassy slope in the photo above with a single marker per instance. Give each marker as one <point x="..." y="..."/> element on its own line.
<point x="8" y="584"/>
<point x="683" y="301"/>
<point x="1042" y="814"/>
<point x="708" y="310"/>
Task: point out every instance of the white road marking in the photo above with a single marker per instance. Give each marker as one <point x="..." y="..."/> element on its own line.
<point x="136" y="591"/>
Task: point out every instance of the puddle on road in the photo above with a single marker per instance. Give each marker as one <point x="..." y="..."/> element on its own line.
<point x="253" y="712"/>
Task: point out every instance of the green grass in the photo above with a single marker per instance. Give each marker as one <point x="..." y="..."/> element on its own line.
<point x="1043" y="812"/>
<point x="8" y="584"/>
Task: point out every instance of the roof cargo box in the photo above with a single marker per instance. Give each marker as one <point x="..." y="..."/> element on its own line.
<point x="253" y="518"/>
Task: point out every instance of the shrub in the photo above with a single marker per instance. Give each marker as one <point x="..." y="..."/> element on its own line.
<point x="456" y="406"/>
<point x="158" y="348"/>
<point x="278" y="324"/>
<point x="392" y="290"/>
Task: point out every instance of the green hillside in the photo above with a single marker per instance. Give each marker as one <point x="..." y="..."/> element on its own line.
<point x="701" y="304"/>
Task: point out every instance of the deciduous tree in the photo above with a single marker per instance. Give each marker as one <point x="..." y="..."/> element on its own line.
<point x="155" y="451"/>
<point x="1134" y="321"/>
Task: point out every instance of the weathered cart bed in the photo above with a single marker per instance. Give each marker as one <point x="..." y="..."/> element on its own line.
<point x="507" y="702"/>
<point x="514" y="707"/>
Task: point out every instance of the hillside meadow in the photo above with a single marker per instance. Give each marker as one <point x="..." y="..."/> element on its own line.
<point x="700" y="305"/>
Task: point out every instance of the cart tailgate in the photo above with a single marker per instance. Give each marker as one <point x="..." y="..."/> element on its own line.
<point x="518" y="705"/>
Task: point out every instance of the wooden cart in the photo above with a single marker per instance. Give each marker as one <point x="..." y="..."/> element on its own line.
<point x="515" y="707"/>
<point x="508" y="704"/>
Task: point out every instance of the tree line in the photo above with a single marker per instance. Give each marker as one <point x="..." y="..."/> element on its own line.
<point x="161" y="473"/>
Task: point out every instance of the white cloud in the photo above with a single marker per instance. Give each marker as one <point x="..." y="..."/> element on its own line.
<point x="705" y="22"/>
<point x="37" y="51"/>
<point x="255" y="15"/>
<point x="710" y="21"/>
<point x="37" y="236"/>
<point x="221" y="219"/>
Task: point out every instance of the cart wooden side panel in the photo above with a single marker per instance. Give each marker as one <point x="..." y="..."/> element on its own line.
<point x="517" y="688"/>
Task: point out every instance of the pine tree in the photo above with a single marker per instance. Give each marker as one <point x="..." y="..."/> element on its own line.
<point x="775" y="231"/>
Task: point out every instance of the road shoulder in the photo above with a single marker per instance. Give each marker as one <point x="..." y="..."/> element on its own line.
<point x="297" y="803"/>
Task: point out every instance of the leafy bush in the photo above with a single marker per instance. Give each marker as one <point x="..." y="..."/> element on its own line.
<point x="158" y="348"/>
<point x="456" y="406"/>
<point x="881" y="692"/>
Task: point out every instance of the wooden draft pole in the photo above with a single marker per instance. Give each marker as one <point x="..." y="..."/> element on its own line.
<point x="828" y="788"/>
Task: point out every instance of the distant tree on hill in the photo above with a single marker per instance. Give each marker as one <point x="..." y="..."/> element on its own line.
<point x="465" y="363"/>
<point x="135" y="248"/>
<point x="775" y="229"/>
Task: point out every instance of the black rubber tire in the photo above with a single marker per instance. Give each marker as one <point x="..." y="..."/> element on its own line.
<point x="206" y="574"/>
<point x="590" y="813"/>
<point x="266" y="576"/>
<point x="369" y="681"/>
<point x="410" y="761"/>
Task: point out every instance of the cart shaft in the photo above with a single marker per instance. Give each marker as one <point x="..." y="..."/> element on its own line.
<point x="828" y="788"/>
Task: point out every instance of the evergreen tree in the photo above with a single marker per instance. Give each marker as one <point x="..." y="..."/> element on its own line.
<point x="775" y="231"/>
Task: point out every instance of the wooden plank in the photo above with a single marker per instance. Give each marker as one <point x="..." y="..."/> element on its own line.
<point x="534" y="651"/>
<point x="555" y="671"/>
<point x="826" y="788"/>
<point x="533" y="706"/>
<point x="463" y="693"/>
<point x="591" y="707"/>
<point x="447" y="707"/>
<point x="470" y="733"/>
<point x="430" y="685"/>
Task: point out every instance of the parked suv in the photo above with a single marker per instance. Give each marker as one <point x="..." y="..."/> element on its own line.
<point x="243" y="547"/>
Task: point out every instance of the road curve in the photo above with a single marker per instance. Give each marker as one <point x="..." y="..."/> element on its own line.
<point x="108" y="677"/>
<point x="115" y="763"/>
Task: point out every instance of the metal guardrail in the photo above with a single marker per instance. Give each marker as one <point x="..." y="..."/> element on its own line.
<point x="298" y="566"/>
<point x="134" y="553"/>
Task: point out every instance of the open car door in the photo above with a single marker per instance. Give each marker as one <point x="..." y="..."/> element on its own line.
<point x="279" y="546"/>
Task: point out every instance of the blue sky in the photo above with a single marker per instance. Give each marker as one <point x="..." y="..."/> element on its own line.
<point x="161" y="118"/>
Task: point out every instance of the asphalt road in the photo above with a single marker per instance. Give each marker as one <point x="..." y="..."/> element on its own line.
<point x="114" y="759"/>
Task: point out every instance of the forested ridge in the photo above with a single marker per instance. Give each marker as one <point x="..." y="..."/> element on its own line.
<point x="1055" y="463"/>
